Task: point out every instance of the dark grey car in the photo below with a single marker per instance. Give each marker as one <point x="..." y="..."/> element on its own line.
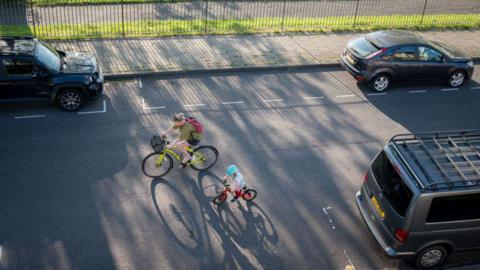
<point x="421" y="195"/>
<point x="381" y="57"/>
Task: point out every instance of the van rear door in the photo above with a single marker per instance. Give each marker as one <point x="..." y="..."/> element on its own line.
<point x="389" y="198"/>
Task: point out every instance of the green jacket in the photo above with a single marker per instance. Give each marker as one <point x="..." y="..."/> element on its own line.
<point x="188" y="132"/>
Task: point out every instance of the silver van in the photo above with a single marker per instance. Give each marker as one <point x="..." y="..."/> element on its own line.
<point x="421" y="196"/>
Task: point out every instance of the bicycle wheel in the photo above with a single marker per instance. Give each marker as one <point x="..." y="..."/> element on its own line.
<point x="249" y="194"/>
<point x="204" y="157"/>
<point x="220" y="199"/>
<point x="152" y="166"/>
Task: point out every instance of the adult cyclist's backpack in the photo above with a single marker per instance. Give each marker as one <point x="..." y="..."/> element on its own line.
<point x="197" y="125"/>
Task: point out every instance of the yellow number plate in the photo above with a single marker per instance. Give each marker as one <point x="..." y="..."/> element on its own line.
<point x="377" y="207"/>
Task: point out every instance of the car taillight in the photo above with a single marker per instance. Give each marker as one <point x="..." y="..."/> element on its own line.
<point x="376" y="53"/>
<point x="365" y="178"/>
<point x="401" y="235"/>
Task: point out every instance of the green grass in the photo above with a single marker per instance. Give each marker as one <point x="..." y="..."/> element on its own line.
<point x="89" y="2"/>
<point x="155" y="28"/>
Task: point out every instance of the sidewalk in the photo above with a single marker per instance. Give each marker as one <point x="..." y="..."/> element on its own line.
<point x="132" y="57"/>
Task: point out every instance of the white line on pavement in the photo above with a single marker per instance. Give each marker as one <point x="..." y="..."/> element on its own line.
<point x="449" y="89"/>
<point x="30" y="116"/>
<point x="1" y="250"/>
<point x="102" y="111"/>
<point x="417" y="91"/>
<point x="232" y="102"/>
<point x="140" y="83"/>
<point x="310" y="98"/>
<point x="325" y="210"/>
<point x="344" y="96"/>
<point x="195" y="105"/>
<point x="273" y="100"/>
<point x="145" y="107"/>
<point x="376" y="94"/>
<point x="476" y="87"/>
<point x="352" y="267"/>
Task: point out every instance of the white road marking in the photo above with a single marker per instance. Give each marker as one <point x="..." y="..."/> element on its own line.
<point x="310" y="98"/>
<point x="325" y="210"/>
<point x="30" y="116"/>
<point x="195" y="105"/>
<point x="417" y="91"/>
<point x="350" y="265"/>
<point x="344" y="96"/>
<point x="102" y="111"/>
<point x="232" y="102"/>
<point x="449" y="89"/>
<point x="140" y="83"/>
<point x="1" y="251"/>
<point x="376" y="94"/>
<point x="273" y="100"/>
<point x="476" y="87"/>
<point x="145" y="107"/>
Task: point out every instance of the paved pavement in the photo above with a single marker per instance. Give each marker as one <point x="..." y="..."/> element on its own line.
<point x="73" y="196"/>
<point x="238" y="9"/>
<point x="178" y="54"/>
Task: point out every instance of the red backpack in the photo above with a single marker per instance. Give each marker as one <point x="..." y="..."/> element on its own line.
<point x="197" y="125"/>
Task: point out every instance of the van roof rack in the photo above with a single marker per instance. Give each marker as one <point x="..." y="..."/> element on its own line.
<point x="447" y="160"/>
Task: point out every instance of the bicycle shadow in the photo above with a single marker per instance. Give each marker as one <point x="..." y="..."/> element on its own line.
<point x="240" y="234"/>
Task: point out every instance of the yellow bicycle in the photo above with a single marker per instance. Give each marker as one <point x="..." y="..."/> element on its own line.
<point x="160" y="162"/>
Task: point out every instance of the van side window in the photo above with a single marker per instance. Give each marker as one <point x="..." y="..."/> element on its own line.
<point x="454" y="208"/>
<point x="15" y="67"/>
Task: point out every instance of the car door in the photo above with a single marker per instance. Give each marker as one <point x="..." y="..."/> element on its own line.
<point x="403" y="62"/>
<point x="18" y="71"/>
<point x="432" y="63"/>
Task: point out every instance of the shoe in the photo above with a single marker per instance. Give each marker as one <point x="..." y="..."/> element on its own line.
<point x="234" y="199"/>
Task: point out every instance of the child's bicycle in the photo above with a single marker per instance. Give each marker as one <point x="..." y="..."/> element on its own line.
<point x="160" y="162"/>
<point x="247" y="195"/>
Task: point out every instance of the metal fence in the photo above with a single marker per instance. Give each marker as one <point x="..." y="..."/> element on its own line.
<point x="134" y="18"/>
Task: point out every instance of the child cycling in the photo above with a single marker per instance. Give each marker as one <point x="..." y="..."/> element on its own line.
<point x="190" y="134"/>
<point x="237" y="182"/>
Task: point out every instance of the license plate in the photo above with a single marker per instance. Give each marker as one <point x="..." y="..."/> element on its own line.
<point x="350" y="59"/>
<point x="377" y="207"/>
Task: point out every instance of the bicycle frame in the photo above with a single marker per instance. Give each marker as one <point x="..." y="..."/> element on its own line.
<point x="177" y="156"/>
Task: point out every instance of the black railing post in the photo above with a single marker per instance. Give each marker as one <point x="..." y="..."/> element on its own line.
<point x="283" y="14"/>
<point x="32" y="13"/>
<point x="206" y="17"/>
<point x="423" y="12"/>
<point x="123" y="20"/>
<point x="356" y="12"/>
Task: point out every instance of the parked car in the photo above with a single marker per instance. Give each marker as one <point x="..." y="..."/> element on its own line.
<point x="32" y="69"/>
<point x="421" y="194"/>
<point x="381" y="57"/>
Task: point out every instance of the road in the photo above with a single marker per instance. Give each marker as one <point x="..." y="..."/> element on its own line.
<point x="88" y="14"/>
<point x="73" y="196"/>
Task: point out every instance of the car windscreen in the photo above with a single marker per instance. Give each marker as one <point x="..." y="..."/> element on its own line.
<point x="393" y="187"/>
<point x="48" y="56"/>
<point x="444" y="48"/>
<point x="362" y="47"/>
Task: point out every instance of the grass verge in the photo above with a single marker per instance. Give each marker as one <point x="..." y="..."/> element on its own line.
<point x="156" y="28"/>
<point x="91" y="2"/>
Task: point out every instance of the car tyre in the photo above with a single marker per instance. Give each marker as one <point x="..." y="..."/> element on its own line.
<point x="380" y="83"/>
<point x="456" y="79"/>
<point x="70" y="100"/>
<point x="431" y="257"/>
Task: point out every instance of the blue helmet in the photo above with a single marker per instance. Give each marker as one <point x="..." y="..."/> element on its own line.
<point x="231" y="170"/>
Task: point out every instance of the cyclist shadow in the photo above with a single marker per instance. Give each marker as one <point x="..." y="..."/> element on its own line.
<point x="240" y="224"/>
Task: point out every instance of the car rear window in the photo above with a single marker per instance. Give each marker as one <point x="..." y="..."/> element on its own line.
<point x="393" y="187"/>
<point x="362" y="47"/>
<point x="454" y="208"/>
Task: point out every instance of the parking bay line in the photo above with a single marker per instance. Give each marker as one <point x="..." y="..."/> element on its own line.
<point x="476" y="87"/>
<point x="273" y="100"/>
<point x="30" y="116"/>
<point x="449" y="89"/>
<point x="232" y="102"/>
<point x="150" y="108"/>
<point x="102" y="111"/>
<point x="313" y="98"/>
<point x="195" y="105"/>
<point x="344" y="96"/>
<point x="417" y="91"/>
<point x="376" y="94"/>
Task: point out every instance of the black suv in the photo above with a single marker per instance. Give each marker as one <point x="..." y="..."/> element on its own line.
<point x="31" y="69"/>
<point x="380" y="57"/>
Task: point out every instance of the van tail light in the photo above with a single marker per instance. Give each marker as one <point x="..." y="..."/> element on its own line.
<point x="365" y="178"/>
<point x="401" y="235"/>
<point x="376" y="53"/>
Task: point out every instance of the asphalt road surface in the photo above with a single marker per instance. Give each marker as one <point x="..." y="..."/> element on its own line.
<point x="72" y="195"/>
<point x="214" y="10"/>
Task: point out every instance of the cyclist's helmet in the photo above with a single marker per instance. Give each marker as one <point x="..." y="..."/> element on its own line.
<point x="231" y="170"/>
<point x="178" y="117"/>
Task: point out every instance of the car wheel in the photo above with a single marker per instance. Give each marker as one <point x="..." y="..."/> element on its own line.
<point x="70" y="100"/>
<point x="456" y="79"/>
<point x="430" y="257"/>
<point x="380" y="83"/>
